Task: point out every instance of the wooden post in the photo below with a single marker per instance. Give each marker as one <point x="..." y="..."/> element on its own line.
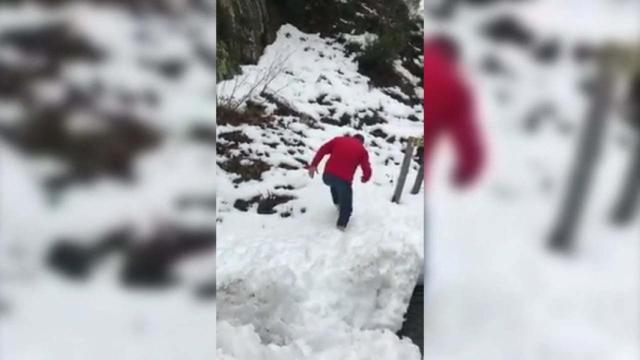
<point x="629" y="197"/>
<point x="419" y="177"/>
<point x="563" y="234"/>
<point x="404" y="169"/>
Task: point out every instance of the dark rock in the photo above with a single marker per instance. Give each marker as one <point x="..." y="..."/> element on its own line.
<point x="379" y="133"/>
<point x="203" y="134"/>
<point x="71" y="259"/>
<point x="54" y="43"/>
<point x="288" y="167"/>
<point x="206" y="291"/>
<point x="548" y="52"/>
<point x="266" y="205"/>
<point x="171" y="69"/>
<point x="236" y="137"/>
<point x="322" y="99"/>
<point x="76" y="259"/>
<point x="371" y="120"/>
<point x="508" y="29"/>
<point x="149" y="263"/>
<point x="235" y="117"/>
<point x="244" y="29"/>
<point x="491" y="64"/>
<point x="244" y="205"/>
<point x="584" y="53"/>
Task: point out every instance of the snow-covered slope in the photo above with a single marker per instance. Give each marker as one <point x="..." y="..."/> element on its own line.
<point x="495" y="291"/>
<point x="106" y="172"/>
<point x="290" y="285"/>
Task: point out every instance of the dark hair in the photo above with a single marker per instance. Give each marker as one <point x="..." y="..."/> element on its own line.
<point x="447" y="44"/>
<point x="359" y="137"/>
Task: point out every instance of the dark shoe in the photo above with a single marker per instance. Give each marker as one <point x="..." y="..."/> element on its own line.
<point x="342" y="227"/>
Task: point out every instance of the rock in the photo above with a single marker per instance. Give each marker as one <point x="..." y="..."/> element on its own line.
<point x="150" y="262"/>
<point x="267" y="204"/>
<point x="508" y="29"/>
<point x="244" y="27"/>
<point x="548" y="52"/>
<point x="494" y="65"/>
<point x="70" y="259"/>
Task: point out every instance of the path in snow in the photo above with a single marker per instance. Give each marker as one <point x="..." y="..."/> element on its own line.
<point x="295" y="279"/>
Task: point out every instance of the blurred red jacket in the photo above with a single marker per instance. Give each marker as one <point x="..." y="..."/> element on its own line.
<point x="346" y="153"/>
<point x="449" y="110"/>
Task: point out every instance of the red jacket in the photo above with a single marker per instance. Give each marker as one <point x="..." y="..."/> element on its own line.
<point x="346" y="153"/>
<point x="449" y="110"/>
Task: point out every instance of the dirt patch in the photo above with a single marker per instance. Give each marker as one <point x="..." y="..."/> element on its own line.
<point x="370" y="120"/>
<point x="234" y="138"/>
<point x="235" y="117"/>
<point x="246" y="169"/>
<point x="149" y="261"/>
<point x="266" y="204"/>
<point x="288" y="166"/>
<point x="203" y="134"/>
<point x="244" y="205"/>
<point x="55" y="42"/>
<point x="379" y="134"/>
<point x="508" y="29"/>
<point x="109" y="150"/>
<point x="293" y="142"/>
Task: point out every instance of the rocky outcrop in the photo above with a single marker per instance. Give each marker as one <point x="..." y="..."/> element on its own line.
<point x="244" y="28"/>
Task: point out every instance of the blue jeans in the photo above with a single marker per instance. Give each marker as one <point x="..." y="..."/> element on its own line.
<point x="341" y="195"/>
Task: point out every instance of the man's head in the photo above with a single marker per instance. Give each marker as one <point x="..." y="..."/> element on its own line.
<point x="359" y="137"/>
<point x="446" y="44"/>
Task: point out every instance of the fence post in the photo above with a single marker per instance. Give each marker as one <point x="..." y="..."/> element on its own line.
<point x="420" y="176"/>
<point x="404" y="169"/>
<point x="627" y="202"/>
<point x="629" y="197"/>
<point x="562" y="236"/>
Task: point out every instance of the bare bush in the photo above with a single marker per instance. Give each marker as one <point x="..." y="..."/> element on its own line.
<point x="247" y="85"/>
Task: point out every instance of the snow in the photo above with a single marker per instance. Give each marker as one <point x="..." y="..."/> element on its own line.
<point x="49" y="317"/>
<point x="296" y="287"/>
<point x="313" y="60"/>
<point x="493" y="289"/>
<point x="363" y="39"/>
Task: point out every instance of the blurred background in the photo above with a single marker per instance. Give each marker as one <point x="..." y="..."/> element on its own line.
<point x="540" y="259"/>
<point x="107" y="165"/>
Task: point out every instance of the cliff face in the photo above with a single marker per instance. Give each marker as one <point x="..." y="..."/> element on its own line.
<point x="244" y="28"/>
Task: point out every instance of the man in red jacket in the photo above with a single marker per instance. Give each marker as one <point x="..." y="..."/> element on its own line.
<point x="449" y="110"/>
<point x="346" y="153"/>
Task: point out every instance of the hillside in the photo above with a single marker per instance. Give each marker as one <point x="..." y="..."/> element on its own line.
<point x="290" y="285"/>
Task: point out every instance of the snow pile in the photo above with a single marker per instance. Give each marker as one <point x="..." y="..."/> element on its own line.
<point x="495" y="291"/>
<point x="292" y="286"/>
<point x="119" y="78"/>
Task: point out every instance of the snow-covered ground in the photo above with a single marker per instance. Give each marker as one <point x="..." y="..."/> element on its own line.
<point x="44" y="315"/>
<point x="494" y="291"/>
<point x="293" y="286"/>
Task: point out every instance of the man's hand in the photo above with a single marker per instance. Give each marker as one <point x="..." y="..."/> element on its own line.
<point x="312" y="171"/>
<point x="464" y="176"/>
<point x="364" y="179"/>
